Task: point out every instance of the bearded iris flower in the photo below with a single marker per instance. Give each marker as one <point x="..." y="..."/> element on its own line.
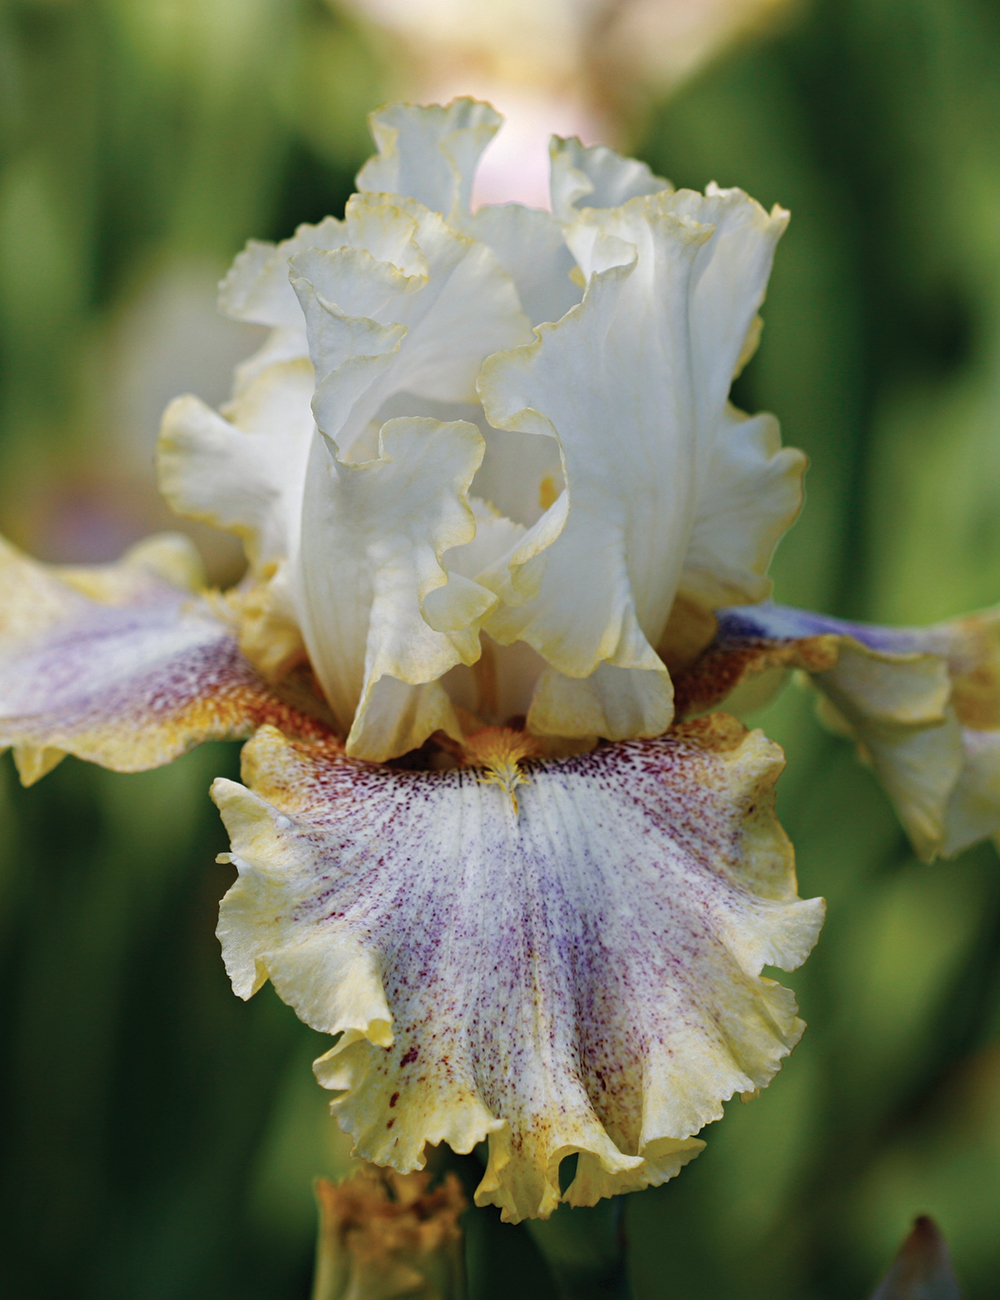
<point x="493" y="496"/>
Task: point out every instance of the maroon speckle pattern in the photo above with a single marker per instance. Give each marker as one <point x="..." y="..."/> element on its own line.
<point x="135" y="686"/>
<point x="567" y="967"/>
<point x="732" y="659"/>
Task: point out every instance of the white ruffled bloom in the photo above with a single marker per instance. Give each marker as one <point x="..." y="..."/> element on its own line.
<point x="486" y="473"/>
<point x="454" y="521"/>
<point x="472" y="493"/>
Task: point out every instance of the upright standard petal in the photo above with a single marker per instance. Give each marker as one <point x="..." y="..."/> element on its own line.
<point x="390" y="616"/>
<point x="244" y="471"/>
<point x="257" y="290"/>
<point x="377" y="328"/>
<point x="659" y="471"/>
<point x="596" y="177"/>
<point x="611" y="382"/>
<point x="256" y="287"/>
<point x="923" y="704"/>
<point x="530" y="247"/>
<point x="752" y="496"/>
<point x="381" y="618"/>
<point x="579" y="976"/>
<point x="429" y="153"/>
<point x="120" y="666"/>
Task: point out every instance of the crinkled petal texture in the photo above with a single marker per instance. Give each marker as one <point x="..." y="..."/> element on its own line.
<point x="122" y="665"/>
<point x="431" y="155"/>
<point x="244" y="471"/>
<point x="923" y="704"/>
<point x="668" y="488"/>
<point x="346" y="525"/>
<point x="611" y="472"/>
<point x="595" y="177"/>
<point x="582" y="977"/>
<point x="382" y="618"/>
<point x="385" y="618"/>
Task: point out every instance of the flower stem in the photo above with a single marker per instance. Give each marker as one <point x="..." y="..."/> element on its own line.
<point x="586" y="1250"/>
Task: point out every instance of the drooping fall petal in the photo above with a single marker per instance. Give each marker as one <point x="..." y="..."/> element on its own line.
<point x="579" y="976"/>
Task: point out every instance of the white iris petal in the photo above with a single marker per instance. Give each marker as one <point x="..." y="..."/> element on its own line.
<point x="373" y="607"/>
<point x="644" y="485"/>
<point x="554" y="946"/>
<point x="633" y="383"/>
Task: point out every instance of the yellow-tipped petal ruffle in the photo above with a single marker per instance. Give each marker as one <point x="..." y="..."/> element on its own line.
<point x="594" y="176"/>
<point x="424" y="322"/>
<point x="752" y="496"/>
<point x="430" y="154"/>
<point x="122" y="667"/>
<point x="244" y="471"/>
<point x="583" y="975"/>
<point x="381" y="618"/>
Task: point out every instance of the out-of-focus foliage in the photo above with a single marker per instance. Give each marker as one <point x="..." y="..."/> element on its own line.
<point x="161" y="1136"/>
<point x="143" y="142"/>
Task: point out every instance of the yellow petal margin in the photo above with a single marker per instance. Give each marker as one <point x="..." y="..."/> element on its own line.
<point x="581" y="976"/>
<point x="123" y="666"/>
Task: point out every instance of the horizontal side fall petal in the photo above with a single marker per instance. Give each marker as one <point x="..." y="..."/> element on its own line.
<point x="892" y="690"/>
<point x="131" y="682"/>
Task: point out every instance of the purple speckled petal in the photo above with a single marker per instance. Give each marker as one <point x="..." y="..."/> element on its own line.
<point x="923" y="704"/>
<point x="583" y="976"/>
<point x="122" y="667"/>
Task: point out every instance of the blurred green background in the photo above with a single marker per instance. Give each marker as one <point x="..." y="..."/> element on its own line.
<point x="159" y="1135"/>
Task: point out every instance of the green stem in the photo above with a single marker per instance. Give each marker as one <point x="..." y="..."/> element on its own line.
<point x="586" y="1250"/>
